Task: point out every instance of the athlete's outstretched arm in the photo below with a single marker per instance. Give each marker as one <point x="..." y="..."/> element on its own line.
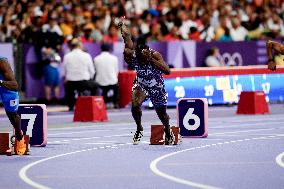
<point x="270" y="46"/>
<point x="126" y="35"/>
<point x="157" y="59"/>
<point x="9" y="80"/>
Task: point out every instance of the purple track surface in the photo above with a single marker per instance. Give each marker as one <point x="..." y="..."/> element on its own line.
<point x="241" y="151"/>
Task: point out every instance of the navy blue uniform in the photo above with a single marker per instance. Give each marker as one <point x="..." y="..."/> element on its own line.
<point x="149" y="79"/>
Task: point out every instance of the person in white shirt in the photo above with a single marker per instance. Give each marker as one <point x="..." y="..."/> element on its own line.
<point x="78" y="69"/>
<point x="214" y="59"/>
<point x="106" y="67"/>
<point x="238" y="32"/>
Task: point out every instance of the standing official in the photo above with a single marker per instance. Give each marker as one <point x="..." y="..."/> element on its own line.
<point x="79" y="71"/>
<point x="106" y="67"/>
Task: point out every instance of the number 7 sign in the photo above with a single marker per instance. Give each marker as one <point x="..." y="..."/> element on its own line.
<point x="193" y="117"/>
<point x="34" y="122"/>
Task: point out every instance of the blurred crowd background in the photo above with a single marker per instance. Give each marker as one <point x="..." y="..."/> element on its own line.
<point x="51" y="22"/>
<point x="47" y="25"/>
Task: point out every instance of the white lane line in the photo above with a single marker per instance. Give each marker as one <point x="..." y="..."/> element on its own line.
<point x="94" y="129"/>
<point x="96" y="137"/>
<point x="153" y="167"/>
<point x="78" y="132"/>
<point x="245" y="131"/>
<point x="96" y="143"/>
<point x="260" y="119"/>
<point x="102" y="142"/>
<point x="94" y="125"/>
<point x="280" y="160"/>
<point x="58" y="142"/>
<point x="102" y="124"/>
<point x="90" y="138"/>
<point x="24" y="170"/>
<point x="154" y="163"/>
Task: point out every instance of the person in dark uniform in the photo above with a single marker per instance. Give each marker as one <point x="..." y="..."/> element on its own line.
<point x="277" y="48"/>
<point x="10" y="99"/>
<point x="149" y="83"/>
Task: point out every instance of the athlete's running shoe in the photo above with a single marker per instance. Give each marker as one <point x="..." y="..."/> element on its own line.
<point x="137" y="137"/>
<point x="21" y="146"/>
<point x="169" y="139"/>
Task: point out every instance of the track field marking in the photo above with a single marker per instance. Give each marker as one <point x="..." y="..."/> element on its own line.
<point x="245" y="131"/>
<point x="89" y="138"/>
<point x="280" y="159"/>
<point x="154" y="163"/>
<point x="26" y="179"/>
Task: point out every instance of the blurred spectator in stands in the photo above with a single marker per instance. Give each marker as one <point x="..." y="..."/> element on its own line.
<point x="106" y="67"/>
<point x="155" y="33"/>
<point x="226" y="36"/>
<point x="97" y="34"/>
<point x="173" y="35"/>
<point x="262" y="19"/>
<point x="2" y="13"/>
<point x="87" y="34"/>
<point x="186" y="23"/>
<point x="51" y="74"/>
<point x="145" y="21"/>
<point x="206" y="30"/>
<point x="52" y="26"/>
<point x="238" y="32"/>
<point x="88" y="20"/>
<point x="53" y="36"/>
<point x="194" y="34"/>
<point x="251" y="21"/>
<point x="214" y="59"/>
<point x="67" y="24"/>
<point x="78" y="13"/>
<point x="274" y="24"/>
<point x="224" y="22"/>
<point x="78" y="69"/>
<point x="170" y="19"/>
<point x="112" y="36"/>
<point x="137" y="6"/>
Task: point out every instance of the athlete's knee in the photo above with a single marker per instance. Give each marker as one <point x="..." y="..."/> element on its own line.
<point x="13" y="117"/>
<point x="136" y="109"/>
<point x="162" y="113"/>
<point x="165" y="117"/>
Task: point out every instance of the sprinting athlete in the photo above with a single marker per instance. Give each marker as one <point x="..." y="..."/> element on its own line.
<point x="149" y="83"/>
<point x="273" y="46"/>
<point x="10" y="99"/>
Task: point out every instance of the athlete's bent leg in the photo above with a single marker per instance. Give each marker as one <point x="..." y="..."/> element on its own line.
<point x="15" y="120"/>
<point x="164" y="117"/>
<point x="138" y="97"/>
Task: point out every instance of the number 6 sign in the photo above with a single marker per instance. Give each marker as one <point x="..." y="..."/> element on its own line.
<point x="34" y="122"/>
<point x="193" y="117"/>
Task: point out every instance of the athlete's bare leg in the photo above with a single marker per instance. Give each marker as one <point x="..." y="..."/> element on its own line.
<point x="16" y="122"/>
<point x="164" y="117"/>
<point x="138" y="97"/>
